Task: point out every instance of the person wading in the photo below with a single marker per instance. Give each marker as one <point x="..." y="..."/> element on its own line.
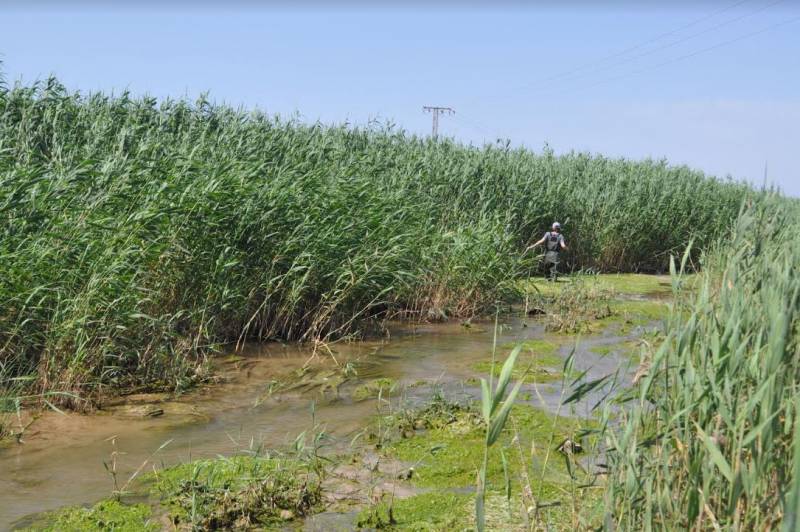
<point x="554" y="245"/>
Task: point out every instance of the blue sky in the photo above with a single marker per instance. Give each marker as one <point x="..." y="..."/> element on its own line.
<point x="690" y="83"/>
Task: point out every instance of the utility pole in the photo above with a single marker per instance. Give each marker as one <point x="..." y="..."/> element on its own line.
<point x="436" y="111"/>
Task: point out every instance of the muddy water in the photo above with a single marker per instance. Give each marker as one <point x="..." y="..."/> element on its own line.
<point x="61" y="461"/>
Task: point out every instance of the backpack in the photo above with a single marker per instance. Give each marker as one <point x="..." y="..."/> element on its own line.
<point x="553" y="242"/>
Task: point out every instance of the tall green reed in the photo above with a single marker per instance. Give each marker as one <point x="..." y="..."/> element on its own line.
<point x="136" y="234"/>
<point x="709" y="440"/>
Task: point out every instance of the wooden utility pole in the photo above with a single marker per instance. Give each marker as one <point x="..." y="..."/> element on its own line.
<point x="436" y="111"/>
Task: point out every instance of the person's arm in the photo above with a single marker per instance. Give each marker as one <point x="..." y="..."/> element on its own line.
<point x="563" y="244"/>
<point x="538" y="243"/>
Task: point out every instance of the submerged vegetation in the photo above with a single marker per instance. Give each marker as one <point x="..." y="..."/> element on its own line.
<point x="138" y="234"/>
<point x="538" y="361"/>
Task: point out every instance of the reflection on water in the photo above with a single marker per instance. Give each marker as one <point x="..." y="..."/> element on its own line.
<point x="61" y="462"/>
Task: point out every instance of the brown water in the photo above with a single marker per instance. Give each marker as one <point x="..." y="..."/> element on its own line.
<point x="61" y="461"/>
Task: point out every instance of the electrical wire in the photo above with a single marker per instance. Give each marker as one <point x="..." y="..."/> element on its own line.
<point x="688" y="55"/>
<point x="682" y="40"/>
<point x="594" y="64"/>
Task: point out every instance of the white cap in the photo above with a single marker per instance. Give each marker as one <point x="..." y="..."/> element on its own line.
<point x="556" y="225"/>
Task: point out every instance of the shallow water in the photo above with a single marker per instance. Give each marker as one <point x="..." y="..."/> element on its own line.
<point x="61" y="461"/>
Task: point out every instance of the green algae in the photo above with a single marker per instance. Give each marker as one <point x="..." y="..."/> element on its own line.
<point x="534" y="368"/>
<point x="620" y="283"/>
<point x="627" y="350"/>
<point x="651" y="310"/>
<point x="239" y="492"/>
<point x="427" y="511"/>
<point x="108" y="515"/>
<point x="537" y="345"/>
<point x="446" y="457"/>
<point x="434" y="511"/>
<point x="588" y="304"/>
<point x="538" y="362"/>
<point x="371" y="389"/>
<point x="628" y="314"/>
<point x="635" y="283"/>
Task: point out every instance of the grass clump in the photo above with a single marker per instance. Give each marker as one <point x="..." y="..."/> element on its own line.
<point x="239" y="492"/>
<point x="576" y="306"/>
<point x="105" y="516"/>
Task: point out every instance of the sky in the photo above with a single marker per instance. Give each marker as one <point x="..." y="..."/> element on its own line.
<point x="714" y="85"/>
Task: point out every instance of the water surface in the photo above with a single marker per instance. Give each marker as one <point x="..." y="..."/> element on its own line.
<point x="61" y="460"/>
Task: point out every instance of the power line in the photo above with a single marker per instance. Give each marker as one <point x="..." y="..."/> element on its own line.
<point x="679" y="41"/>
<point x="477" y="126"/>
<point x="690" y="54"/>
<point x="594" y="63"/>
<point x="676" y="59"/>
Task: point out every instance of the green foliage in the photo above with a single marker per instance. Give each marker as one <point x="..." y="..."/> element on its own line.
<point x="576" y="306"/>
<point x="137" y="234"/>
<point x="239" y="492"/>
<point x="709" y="440"/>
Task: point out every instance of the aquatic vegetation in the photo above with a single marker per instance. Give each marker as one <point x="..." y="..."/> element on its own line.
<point x="586" y="304"/>
<point x="628" y="284"/>
<point x="108" y="515"/>
<point x="437" y="413"/>
<point x="429" y="511"/>
<point x="376" y="387"/>
<point x="640" y="311"/>
<point x="445" y="442"/>
<point x="539" y="346"/>
<point x="139" y="234"/>
<point x="538" y="361"/>
<point x="633" y="284"/>
<point x="575" y="306"/>
<point x="627" y="349"/>
<point x="239" y="492"/>
<point x="710" y="437"/>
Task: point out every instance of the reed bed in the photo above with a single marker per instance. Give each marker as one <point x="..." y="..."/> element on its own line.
<point x="136" y="234"/>
<point x="711" y="438"/>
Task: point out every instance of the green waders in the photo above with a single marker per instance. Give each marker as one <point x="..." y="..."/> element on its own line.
<point x="551" y="256"/>
<point x="551" y="260"/>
